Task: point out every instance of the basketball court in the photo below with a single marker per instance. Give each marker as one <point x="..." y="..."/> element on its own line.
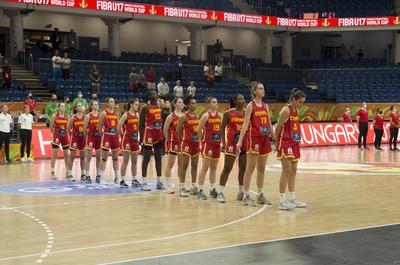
<point x="352" y="217"/>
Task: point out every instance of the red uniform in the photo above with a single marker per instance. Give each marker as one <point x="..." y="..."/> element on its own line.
<point x="346" y="117"/>
<point x="235" y="125"/>
<point x="153" y="126"/>
<point x="60" y="136"/>
<point x="190" y="140"/>
<point x="93" y="135"/>
<point x="130" y="138"/>
<point x="77" y="136"/>
<point x="363" y="114"/>
<point x="290" y="137"/>
<point x="260" y="130"/>
<point x="395" y="120"/>
<point x="379" y="121"/>
<point x="110" y="139"/>
<point x="211" y="142"/>
<point x="172" y="144"/>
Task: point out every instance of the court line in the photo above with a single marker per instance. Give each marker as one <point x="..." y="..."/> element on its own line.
<point x="251" y="243"/>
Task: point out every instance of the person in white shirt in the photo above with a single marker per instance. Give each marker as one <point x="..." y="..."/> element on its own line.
<point x="191" y="89"/>
<point x="178" y="90"/>
<point x="25" y="121"/>
<point x="6" y="123"/>
<point x="218" y="73"/>
<point x="163" y="88"/>
<point x="57" y="62"/>
<point x="205" y="70"/>
<point x="66" y="66"/>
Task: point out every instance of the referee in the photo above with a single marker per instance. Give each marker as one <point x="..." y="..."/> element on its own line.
<point x="6" y="123"/>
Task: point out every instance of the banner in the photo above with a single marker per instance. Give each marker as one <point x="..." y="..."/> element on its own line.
<point x="210" y="15"/>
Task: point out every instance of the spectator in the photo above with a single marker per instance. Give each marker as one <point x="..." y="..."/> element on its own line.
<point x="210" y="77"/>
<point x="178" y="68"/>
<point x="142" y="80"/>
<point x="72" y="44"/>
<point x="151" y="79"/>
<point x="133" y="80"/>
<point x="178" y="89"/>
<point x="6" y="75"/>
<point x="218" y="51"/>
<point x="25" y="121"/>
<point x="95" y="98"/>
<point x="56" y="40"/>
<point x="95" y="77"/>
<point x="218" y="73"/>
<point x="168" y="68"/>
<point x="68" y="105"/>
<point x="51" y="108"/>
<point x="66" y="66"/>
<point x="6" y="124"/>
<point x="205" y="70"/>
<point x="79" y="99"/>
<point x="360" y="55"/>
<point x="57" y="62"/>
<point x="31" y="102"/>
<point x="191" y="89"/>
<point x="163" y="89"/>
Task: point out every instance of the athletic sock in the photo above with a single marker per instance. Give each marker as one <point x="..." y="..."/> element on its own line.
<point x="282" y="197"/>
<point x="240" y="188"/>
<point x="212" y="186"/>
<point x="69" y="172"/>
<point x="200" y="187"/>
<point x="167" y="181"/>
<point x="116" y="173"/>
<point x="292" y="196"/>
<point x="193" y="185"/>
<point x="101" y="173"/>
<point x="260" y="191"/>
<point x="221" y="188"/>
<point x="158" y="179"/>
<point x="83" y="172"/>
<point x="52" y="170"/>
<point x="181" y="185"/>
<point x="246" y="193"/>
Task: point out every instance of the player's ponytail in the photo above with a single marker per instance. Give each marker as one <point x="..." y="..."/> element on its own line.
<point x="296" y="94"/>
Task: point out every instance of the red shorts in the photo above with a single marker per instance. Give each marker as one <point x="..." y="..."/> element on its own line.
<point x="190" y="148"/>
<point x="211" y="150"/>
<point x="130" y="145"/>
<point x="92" y="142"/>
<point x="110" y="141"/>
<point x="60" y="140"/>
<point x="152" y="136"/>
<point x="289" y="152"/>
<point x="172" y="147"/>
<point x="260" y="145"/>
<point x="77" y="142"/>
<point x="231" y="149"/>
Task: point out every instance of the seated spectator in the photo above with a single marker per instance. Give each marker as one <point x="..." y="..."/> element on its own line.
<point x="178" y="89"/>
<point x="142" y="80"/>
<point x="66" y="66"/>
<point x="163" y="88"/>
<point x="210" y="77"/>
<point x="178" y="68"/>
<point x="218" y="73"/>
<point x="205" y="70"/>
<point x="191" y="89"/>
<point x="79" y="99"/>
<point x="151" y="79"/>
<point x="57" y="62"/>
<point x="133" y="80"/>
<point x="168" y="68"/>
<point x="6" y="75"/>
<point x="31" y="102"/>
<point x="95" y="78"/>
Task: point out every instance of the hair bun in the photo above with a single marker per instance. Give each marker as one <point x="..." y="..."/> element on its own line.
<point x="294" y="90"/>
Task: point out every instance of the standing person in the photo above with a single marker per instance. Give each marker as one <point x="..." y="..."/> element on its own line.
<point x="218" y="73"/>
<point x="80" y="100"/>
<point x="346" y="117"/>
<point x="51" y="109"/>
<point x="108" y="124"/>
<point x="151" y="79"/>
<point x="186" y="133"/>
<point x="210" y="77"/>
<point x="133" y="80"/>
<point x="210" y="133"/>
<point x="394" y="128"/>
<point x="6" y="124"/>
<point x="150" y="127"/>
<point x="191" y="89"/>
<point x="178" y="68"/>
<point x="58" y="128"/>
<point x="168" y="69"/>
<point x="232" y="123"/>
<point x="57" y="62"/>
<point x="56" y="42"/>
<point x="362" y="120"/>
<point x="378" y="129"/>
<point x="163" y="89"/>
<point x="258" y="122"/>
<point x="75" y="131"/>
<point x="66" y="66"/>
<point x="31" y="102"/>
<point x="288" y="147"/>
<point x="6" y="75"/>
<point x="25" y="121"/>
<point x="205" y="71"/>
<point x="72" y="42"/>
<point x="172" y="146"/>
<point x="92" y="138"/>
<point x="129" y="122"/>
<point x="95" y="77"/>
<point x="178" y="90"/>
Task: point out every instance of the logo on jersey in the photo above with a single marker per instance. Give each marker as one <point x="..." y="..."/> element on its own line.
<point x="256" y="147"/>
<point x="290" y="151"/>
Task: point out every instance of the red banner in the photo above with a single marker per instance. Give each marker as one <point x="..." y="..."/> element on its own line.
<point x="188" y="13"/>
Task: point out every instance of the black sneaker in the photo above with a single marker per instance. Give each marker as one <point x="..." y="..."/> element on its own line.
<point x="88" y="180"/>
<point x="123" y="185"/>
<point x="83" y="178"/>
<point x="213" y="193"/>
<point x="98" y="179"/>
<point x="136" y="183"/>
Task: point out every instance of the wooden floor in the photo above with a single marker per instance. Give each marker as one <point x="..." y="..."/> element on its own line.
<point x="345" y="189"/>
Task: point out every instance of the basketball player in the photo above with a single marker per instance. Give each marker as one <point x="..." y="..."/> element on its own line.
<point x="92" y="138"/>
<point x="129" y="122"/>
<point x="233" y="120"/>
<point x="58" y="128"/>
<point x="108" y="124"/>
<point x="150" y="126"/>
<point x="288" y="147"/>
<point x="394" y="128"/>
<point x="172" y="144"/>
<point x="186" y="132"/>
<point x="75" y="130"/>
<point x="210" y="133"/>
<point x="258" y="123"/>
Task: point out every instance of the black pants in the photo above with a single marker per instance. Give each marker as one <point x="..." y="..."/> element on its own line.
<point x="394" y="132"/>
<point x="378" y="138"/>
<point x="26" y="139"/>
<point x="5" y="138"/>
<point x="362" y="137"/>
<point x="65" y="73"/>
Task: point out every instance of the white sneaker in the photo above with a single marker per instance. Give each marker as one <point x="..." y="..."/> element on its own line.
<point x="116" y="180"/>
<point x="170" y="188"/>
<point x="285" y="205"/>
<point x="183" y="192"/>
<point x="298" y="204"/>
<point x="145" y="187"/>
<point x="30" y="159"/>
<point x="103" y="181"/>
<point x="53" y="176"/>
<point x="24" y="159"/>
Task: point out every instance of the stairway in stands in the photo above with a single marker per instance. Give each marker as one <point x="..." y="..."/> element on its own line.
<point x="30" y="81"/>
<point x="244" y="7"/>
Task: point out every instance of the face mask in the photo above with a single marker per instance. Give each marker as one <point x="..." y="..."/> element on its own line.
<point x="53" y="99"/>
<point x="95" y="97"/>
<point x="79" y="96"/>
<point x="30" y="96"/>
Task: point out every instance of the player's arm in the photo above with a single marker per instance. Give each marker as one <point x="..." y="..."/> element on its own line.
<point x="283" y="117"/>
<point x="247" y="117"/>
<point x="69" y="125"/>
<point x="52" y="120"/>
<point x="358" y="116"/>
<point x="142" y="120"/>
<point x="179" y="128"/>
<point x="101" y="122"/>
<point x="86" y="124"/>
<point x="225" y="120"/>
<point x="202" y="123"/>
<point x="273" y="135"/>
<point x="121" y="123"/>
<point x="167" y="124"/>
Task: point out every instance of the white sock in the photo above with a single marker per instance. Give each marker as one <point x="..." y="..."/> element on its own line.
<point x="200" y="187"/>
<point x="101" y="173"/>
<point x="221" y="189"/>
<point x="158" y="179"/>
<point x="212" y="186"/>
<point x="144" y="181"/>
<point x="52" y="170"/>
<point x="134" y="177"/>
<point x="292" y="196"/>
<point x="69" y="172"/>
<point x="181" y="185"/>
<point x="240" y="188"/>
<point x="260" y="191"/>
<point x="282" y="197"/>
<point x="167" y="182"/>
<point x="246" y="193"/>
<point x="193" y="185"/>
<point x="116" y="173"/>
<point x="83" y="172"/>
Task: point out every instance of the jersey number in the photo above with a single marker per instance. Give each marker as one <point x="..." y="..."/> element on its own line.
<point x="216" y="127"/>
<point x="263" y="121"/>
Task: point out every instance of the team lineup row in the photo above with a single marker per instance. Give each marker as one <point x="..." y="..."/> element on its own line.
<point x="243" y="132"/>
